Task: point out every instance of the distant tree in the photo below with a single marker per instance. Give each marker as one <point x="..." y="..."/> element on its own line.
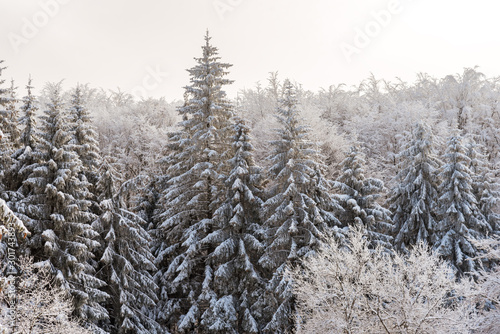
<point x="298" y="212"/>
<point x="414" y="198"/>
<point x="461" y="218"/>
<point x="358" y="197"/>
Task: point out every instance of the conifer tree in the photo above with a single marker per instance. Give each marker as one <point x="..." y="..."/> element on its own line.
<point x="413" y="200"/>
<point x="10" y="130"/>
<point x="60" y="220"/>
<point x="234" y="286"/>
<point x="358" y="197"/>
<point x="293" y="216"/>
<point x="484" y="186"/>
<point x="126" y="261"/>
<point x="84" y="135"/>
<point x="460" y="216"/>
<point x="194" y="191"/>
<point x="25" y="158"/>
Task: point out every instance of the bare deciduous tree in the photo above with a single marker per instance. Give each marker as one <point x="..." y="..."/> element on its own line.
<point x="34" y="305"/>
<point x="352" y="289"/>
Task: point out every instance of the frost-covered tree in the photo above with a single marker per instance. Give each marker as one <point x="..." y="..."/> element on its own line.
<point x="33" y="304"/>
<point x="484" y="186"/>
<point x="126" y="261"/>
<point x="10" y="130"/>
<point x="460" y="217"/>
<point x="4" y="92"/>
<point x="84" y="135"/>
<point x="358" y="197"/>
<point x="25" y="158"/>
<point x="351" y="288"/>
<point x="299" y="209"/>
<point x="413" y="200"/>
<point x="235" y="285"/>
<point x="194" y="191"/>
<point x="59" y="214"/>
<point x="489" y="286"/>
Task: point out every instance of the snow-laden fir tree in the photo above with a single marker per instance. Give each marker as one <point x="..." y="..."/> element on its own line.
<point x="298" y="212"/>
<point x="84" y="135"/>
<point x="10" y="130"/>
<point x="460" y="217"/>
<point x="9" y="118"/>
<point x="59" y="213"/>
<point x="235" y="286"/>
<point x="126" y="261"/>
<point x="414" y="198"/>
<point x="26" y="157"/>
<point x="358" y="197"/>
<point x="4" y="92"/>
<point x="484" y="186"/>
<point x="195" y="189"/>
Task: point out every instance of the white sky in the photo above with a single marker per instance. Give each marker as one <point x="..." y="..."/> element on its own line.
<point x="117" y="43"/>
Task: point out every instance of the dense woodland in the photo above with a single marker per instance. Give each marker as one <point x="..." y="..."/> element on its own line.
<point x="201" y="215"/>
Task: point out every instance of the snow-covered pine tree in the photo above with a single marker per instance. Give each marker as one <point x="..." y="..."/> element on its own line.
<point x="358" y="197"/>
<point x="235" y="286"/>
<point x="195" y="190"/>
<point x="84" y="135"/>
<point x="4" y="92"/>
<point x="414" y="198"/>
<point x="460" y="217"/>
<point x="484" y="186"/>
<point x="294" y="220"/>
<point x="126" y="261"/>
<point x="10" y="130"/>
<point x="26" y="157"/>
<point x="60" y="219"/>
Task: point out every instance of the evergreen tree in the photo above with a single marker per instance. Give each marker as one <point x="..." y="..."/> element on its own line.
<point x="413" y="200"/>
<point x="4" y="92"/>
<point x="10" y="130"/>
<point x="84" y="135"/>
<point x="125" y="261"/>
<point x="461" y="218"/>
<point x="484" y="186"/>
<point x="358" y="197"/>
<point x="295" y="220"/>
<point x="60" y="220"/>
<point x="26" y="157"/>
<point x="234" y="286"/>
<point x="194" y="190"/>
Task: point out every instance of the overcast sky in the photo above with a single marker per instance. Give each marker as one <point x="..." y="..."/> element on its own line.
<point x="145" y="47"/>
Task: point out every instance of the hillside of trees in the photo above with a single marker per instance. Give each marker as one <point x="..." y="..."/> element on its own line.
<point x="280" y="211"/>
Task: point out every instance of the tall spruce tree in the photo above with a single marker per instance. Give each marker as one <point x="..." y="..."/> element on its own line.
<point x="298" y="212"/>
<point x="26" y="157"/>
<point x="358" y="197"/>
<point x="461" y="218"/>
<point x="60" y="219"/>
<point x="195" y="189"/>
<point x="413" y="200"/>
<point x="235" y="285"/>
<point x="126" y="261"/>
<point x="84" y="135"/>
<point x="484" y="186"/>
<point x="10" y="130"/>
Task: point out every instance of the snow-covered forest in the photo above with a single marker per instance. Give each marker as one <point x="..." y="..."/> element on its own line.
<point x="367" y="209"/>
